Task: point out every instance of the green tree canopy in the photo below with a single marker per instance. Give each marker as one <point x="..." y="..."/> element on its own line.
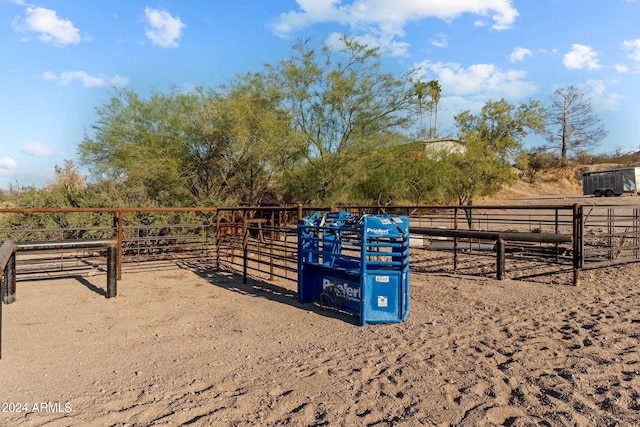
<point x="201" y="147"/>
<point x="303" y="128"/>
<point x="344" y="108"/>
<point x="142" y="140"/>
<point x="322" y="126"/>
<point x="493" y="141"/>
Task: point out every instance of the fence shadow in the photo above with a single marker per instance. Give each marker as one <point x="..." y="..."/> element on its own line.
<point x="91" y="286"/>
<point x="483" y="264"/>
<point x="255" y="287"/>
<point x="81" y="279"/>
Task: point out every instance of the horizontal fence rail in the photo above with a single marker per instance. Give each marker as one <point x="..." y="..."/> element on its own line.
<point x="535" y="258"/>
<point x="262" y="241"/>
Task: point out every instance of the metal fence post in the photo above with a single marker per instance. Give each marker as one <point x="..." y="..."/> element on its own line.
<point x="8" y="293"/>
<point x="2" y="280"/>
<point x="11" y="278"/>
<point x="120" y="248"/>
<point x="577" y="243"/>
<point x="455" y="240"/>
<point x="500" y="255"/>
<point x="4" y="288"/>
<point x="7" y="280"/>
<point x="112" y="270"/>
<point x="245" y="254"/>
<point x="217" y="239"/>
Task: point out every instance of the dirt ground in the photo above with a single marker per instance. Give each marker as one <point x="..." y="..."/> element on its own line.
<point x="196" y="347"/>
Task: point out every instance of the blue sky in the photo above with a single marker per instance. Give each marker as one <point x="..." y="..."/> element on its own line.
<point x="61" y="58"/>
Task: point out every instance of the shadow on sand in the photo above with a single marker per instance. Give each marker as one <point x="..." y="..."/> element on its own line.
<point x="255" y="287"/>
<point x="81" y="279"/>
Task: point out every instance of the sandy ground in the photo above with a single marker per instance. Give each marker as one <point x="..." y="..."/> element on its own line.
<point x="196" y="347"/>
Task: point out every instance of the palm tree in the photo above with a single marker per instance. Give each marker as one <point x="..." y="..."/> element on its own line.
<point x="420" y="89"/>
<point x="434" y="93"/>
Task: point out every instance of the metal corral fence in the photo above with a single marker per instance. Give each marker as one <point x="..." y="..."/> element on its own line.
<point x="519" y="242"/>
<point x="533" y="241"/>
<point x="608" y="235"/>
<point x="141" y="235"/>
<point x="259" y="241"/>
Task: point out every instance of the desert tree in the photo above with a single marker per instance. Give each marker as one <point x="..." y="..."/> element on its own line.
<point x="571" y="124"/>
<point x="305" y="127"/>
<point x="536" y="162"/>
<point x="200" y="147"/>
<point x="344" y="108"/>
<point x="493" y="142"/>
<point x="142" y="139"/>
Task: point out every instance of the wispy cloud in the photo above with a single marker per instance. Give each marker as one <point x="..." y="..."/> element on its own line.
<point x="87" y="80"/>
<point x="440" y="40"/>
<point x="581" y="57"/>
<point x="7" y="162"/>
<point x="621" y="68"/>
<point x="385" y="21"/>
<point x="519" y="53"/>
<point x="603" y="99"/>
<point x="480" y="81"/>
<point x="164" y="30"/>
<point x="335" y="41"/>
<point x="33" y="148"/>
<point x="633" y="47"/>
<point x="49" y="27"/>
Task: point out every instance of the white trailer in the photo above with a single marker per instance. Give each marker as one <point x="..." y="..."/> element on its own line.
<point x="611" y="182"/>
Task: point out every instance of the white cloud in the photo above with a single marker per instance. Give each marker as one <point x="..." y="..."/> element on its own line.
<point x="395" y="47"/>
<point x="35" y="149"/>
<point x="118" y="80"/>
<point x="51" y="28"/>
<point x="164" y="30"/>
<point x="67" y="77"/>
<point x="479" y="80"/>
<point x="312" y="12"/>
<point x="621" y="68"/>
<point x="633" y="46"/>
<point x="7" y="162"/>
<point x="440" y="40"/>
<point x="385" y="20"/>
<point x="519" y="53"/>
<point x="602" y="99"/>
<point x="36" y="177"/>
<point x="581" y="57"/>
